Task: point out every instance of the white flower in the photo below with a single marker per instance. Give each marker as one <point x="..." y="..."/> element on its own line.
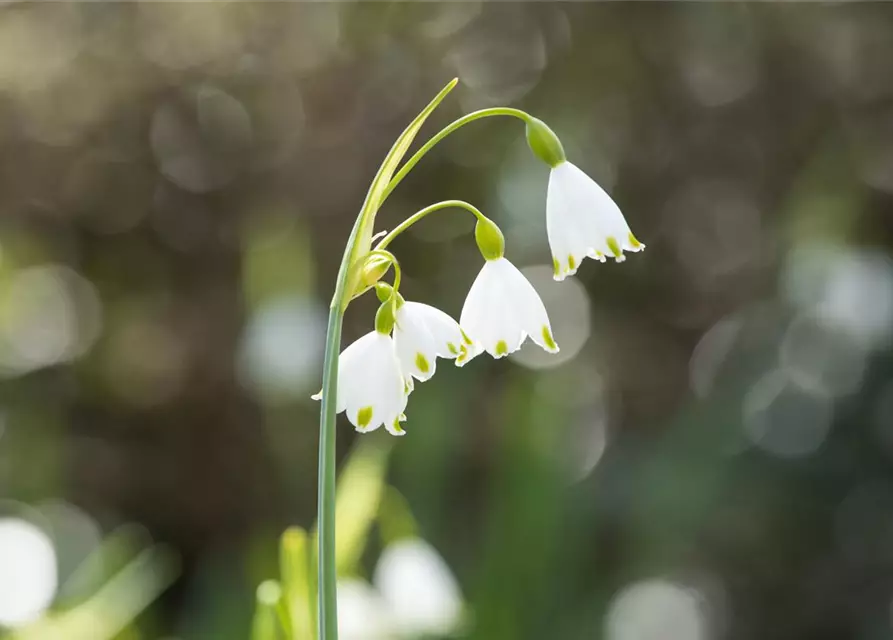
<point x="418" y="590"/>
<point x="371" y="387"/>
<point x="421" y="334"/>
<point x="582" y="221"/>
<point x="503" y="308"/>
<point x="362" y="613"/>
<point x="415" y="595"/>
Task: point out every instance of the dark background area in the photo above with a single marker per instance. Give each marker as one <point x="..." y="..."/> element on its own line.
<point x="708" y="457"/>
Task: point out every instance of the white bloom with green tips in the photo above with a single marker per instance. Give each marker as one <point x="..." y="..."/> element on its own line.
<point x="423" y="333"/>
<point x="371" y="388"/>
<point x="501" y="310"/>
<point x="583" y="221"/>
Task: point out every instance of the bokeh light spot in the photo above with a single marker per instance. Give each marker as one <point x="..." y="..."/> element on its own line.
<point x="821" y="358"/>
<point x="711" y="352"/>
<point x="850" y="291"/>
<point x="499" y="57"/>
<point x="28" y="577"/>
<point x="200" y="142"/>
<point x="282" y="348"/>
<point x="656" y="610"/>
<point x="784" y="418"/>
<point x="53" y="315"/>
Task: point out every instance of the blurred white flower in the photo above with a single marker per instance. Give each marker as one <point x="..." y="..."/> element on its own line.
<point x="501" y="310"/>
<point x="583" y="221"/>
<point x="414" y="595"/>
<point x="371" y="387"/>
<point x="419" y="589"/>
<point x="362" y="614"/>
<point x="421" y="334"/>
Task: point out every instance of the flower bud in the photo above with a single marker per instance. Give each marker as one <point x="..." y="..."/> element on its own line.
<point x="374" y="268"/>
<point x="383" y="291"/>
<point x="544" y="143"/>
<point x="489" y="238"/>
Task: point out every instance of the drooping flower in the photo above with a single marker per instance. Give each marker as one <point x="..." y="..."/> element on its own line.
<point x="501" y="310"/>
<point x="583" y="221"/>
<point x="423" y="333"/>
<point x="371" y="387"/>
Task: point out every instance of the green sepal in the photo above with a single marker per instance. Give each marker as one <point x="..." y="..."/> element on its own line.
<point x="544" y="143"/>
<point x="489" y="238"/>
<point x="384" y="318"/>
<point x="383" y="291"/>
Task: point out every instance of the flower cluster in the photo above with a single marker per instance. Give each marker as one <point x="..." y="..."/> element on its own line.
<point x="377" y="373"/>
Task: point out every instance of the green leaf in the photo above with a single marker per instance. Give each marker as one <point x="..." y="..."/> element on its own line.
<point x="374" y="197"/>
<point x="265" y="625"/>
<point x="401" y="146"/>
<point x="360" y="489"/>
<point x="395" y="519"/>
<point x="297" y="583"/>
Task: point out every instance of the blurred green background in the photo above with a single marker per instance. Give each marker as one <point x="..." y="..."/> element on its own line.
<point x="709" y="456"/>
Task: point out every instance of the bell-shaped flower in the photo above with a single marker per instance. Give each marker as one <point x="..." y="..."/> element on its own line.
<point x="371" y="387"/>
<point x="501" y="310"/>
<point x="421" y="334"/>
<point x="583" y="221"/>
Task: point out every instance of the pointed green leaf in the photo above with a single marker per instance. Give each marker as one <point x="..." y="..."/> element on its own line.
<point x="295" y="570"/>
<point x="360" y="488"/>
<point x="366" y="221"/>
<point x="395" y="519"/>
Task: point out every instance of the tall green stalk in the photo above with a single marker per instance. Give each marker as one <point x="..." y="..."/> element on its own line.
<point x="328" y="613"/>
<point x="358" y="247"/>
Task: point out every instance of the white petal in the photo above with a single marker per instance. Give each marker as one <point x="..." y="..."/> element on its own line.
<point x="530" y="310"/>
<point x="498" y="310"/>
<point x="394" y="427"/>
<point x="371" y="387"/>
<point x="473" y="318"/>
<point x="477" y="318"/>
<point x="569" y="241"/>
<point x="416" y="348"/>
<point x="350" y="366"/>
<point x="447" y="334"/>
<point x="583" y="221"/>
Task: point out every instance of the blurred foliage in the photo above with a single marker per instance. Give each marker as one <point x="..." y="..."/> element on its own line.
<point x="105" y="595"/>
<point x="708" y="457"/>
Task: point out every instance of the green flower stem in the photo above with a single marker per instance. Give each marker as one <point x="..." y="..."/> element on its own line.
<point x="328" y="614"/>
<point x="357" y="246"/>
<point x="418" y="215"/>
<point x="348" y="275"/>
<point x="443" y="133"/>
<point x="325" y="509"/>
